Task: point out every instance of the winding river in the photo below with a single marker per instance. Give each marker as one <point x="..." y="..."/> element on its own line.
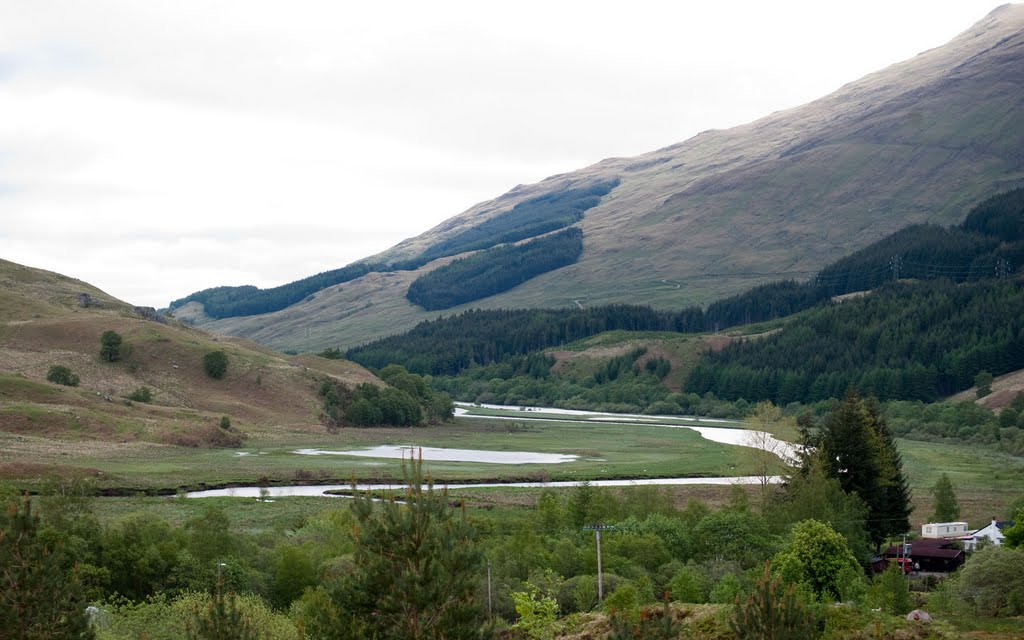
<point x="726" y="435"/>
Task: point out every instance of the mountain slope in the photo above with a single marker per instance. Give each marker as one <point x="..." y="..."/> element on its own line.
<point x="919" y="141"/>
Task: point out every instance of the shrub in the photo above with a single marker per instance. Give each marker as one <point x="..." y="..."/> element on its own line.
<point x="60" y="374"/>
<point x="890" y="592"/>
<point x="537" y="614"/>
<point x="216" y="364"/>
<point x="225" y="422"/>
<point x="771" y="612"/>
<point x="142" y="394"/>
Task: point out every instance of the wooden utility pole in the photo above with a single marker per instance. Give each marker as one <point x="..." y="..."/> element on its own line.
<point x="597" y="528"/>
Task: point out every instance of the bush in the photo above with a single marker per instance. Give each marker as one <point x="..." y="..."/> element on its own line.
<point x="60" y="374"/>
<point x="772" y="611"/>
<point x="993" y="581"/>
<point x="890" y="592"/>
<point x="216" y="364"/>
<point x="225" y="422"/>
<point x="142" y="394"/>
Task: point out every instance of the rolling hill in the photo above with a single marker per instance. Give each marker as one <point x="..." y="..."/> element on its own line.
<point x="919" y="141"/>
<point x="48" y="319"/>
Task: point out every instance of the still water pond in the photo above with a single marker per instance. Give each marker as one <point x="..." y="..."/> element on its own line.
<point x="438" y="454"/>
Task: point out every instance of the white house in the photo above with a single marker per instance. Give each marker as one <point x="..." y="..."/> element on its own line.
<point x="993" y="532"/>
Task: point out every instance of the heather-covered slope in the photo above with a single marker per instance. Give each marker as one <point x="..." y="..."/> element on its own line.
<point x="46" y="321"/>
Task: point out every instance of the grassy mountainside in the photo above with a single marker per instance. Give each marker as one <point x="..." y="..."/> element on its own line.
<point x="43" y="323"/>
<point x="780" y="197"/>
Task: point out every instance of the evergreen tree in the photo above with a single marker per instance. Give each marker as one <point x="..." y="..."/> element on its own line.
<point x="983" y="384"/>
<point x="110" y="346"/>
<point x="39" y="600"/>
<point x="771" y="612"/>
<point x="857" y="448"/>
<point x="814" y="495"/>
<point x="417" y="567"/>
<point x="946" y="507"/>
<point x="892" y="513"/>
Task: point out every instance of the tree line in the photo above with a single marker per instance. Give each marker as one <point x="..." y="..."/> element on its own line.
<point x="985" y="246"/>
<point x="448" y="345"/>
<point x="495" y="270"/>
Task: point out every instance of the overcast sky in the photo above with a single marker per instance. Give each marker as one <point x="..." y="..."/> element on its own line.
<point x="157" y="148"/>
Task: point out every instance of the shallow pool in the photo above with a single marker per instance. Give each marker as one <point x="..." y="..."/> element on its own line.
<point x="438" y="454"/>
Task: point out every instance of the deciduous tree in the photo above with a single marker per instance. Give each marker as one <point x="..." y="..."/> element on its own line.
<point x="59" y="374"/>
<point x="764" y="450"/>
<point x="817" y="556"/>
<point x="983" y="384"/>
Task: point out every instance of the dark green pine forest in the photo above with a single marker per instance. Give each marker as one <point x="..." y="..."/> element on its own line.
<point x="495" y="270"/>
<point x="909" y="341"/>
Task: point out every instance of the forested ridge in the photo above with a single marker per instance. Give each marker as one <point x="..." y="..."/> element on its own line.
<point x="495" y="270"/>
<point x="479" y="337"/>
<point x="914" y="341"/>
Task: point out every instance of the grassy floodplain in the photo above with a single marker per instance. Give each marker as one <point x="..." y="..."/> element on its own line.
<point x="604" y="450"/>
<point x="985" y="480"/>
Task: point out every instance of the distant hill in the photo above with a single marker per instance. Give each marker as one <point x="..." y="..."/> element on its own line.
<point x="49" y="319"/>
<point x="920" y="141"/>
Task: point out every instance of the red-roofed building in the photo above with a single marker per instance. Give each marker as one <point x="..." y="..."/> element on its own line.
<point x="929" y="554"/>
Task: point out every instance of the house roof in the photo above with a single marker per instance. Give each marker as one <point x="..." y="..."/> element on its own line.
<point x="927" y="548"/>
<point x="999" y="525"/>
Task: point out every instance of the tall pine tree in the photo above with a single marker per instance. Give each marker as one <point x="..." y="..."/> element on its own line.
<point x="857" y="448"/>
<point x="892" y="514"/>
